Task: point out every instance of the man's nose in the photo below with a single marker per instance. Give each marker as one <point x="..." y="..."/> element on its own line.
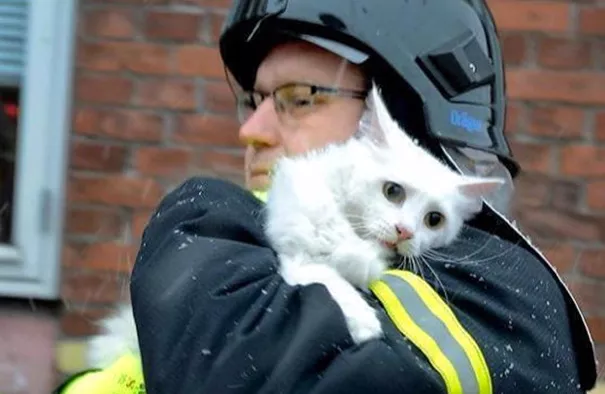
<point x="261" y="127"/>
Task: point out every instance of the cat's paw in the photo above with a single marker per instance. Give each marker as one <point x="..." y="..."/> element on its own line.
<point x="363" y="324"/>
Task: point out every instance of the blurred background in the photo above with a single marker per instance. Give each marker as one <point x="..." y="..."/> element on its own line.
<point x="105" y="105"/>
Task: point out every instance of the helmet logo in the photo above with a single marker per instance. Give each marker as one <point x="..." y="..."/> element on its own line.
<point x="465" y="121"/>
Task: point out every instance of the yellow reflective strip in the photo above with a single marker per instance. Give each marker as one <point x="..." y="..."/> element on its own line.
<point x="436" y="304"/>
<point x="124" y="376"/>
<point x="261" y="195"/>
<point x="417" y="336"/>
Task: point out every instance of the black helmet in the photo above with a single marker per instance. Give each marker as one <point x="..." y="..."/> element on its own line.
<point x="438" y="63"/>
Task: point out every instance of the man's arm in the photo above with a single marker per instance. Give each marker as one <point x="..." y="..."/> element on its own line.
<point x="515" y="310"/>
<point x="213" y="314"/>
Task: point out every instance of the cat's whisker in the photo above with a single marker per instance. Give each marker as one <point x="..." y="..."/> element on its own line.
<point x="440" y="283"/>
<point x="402" y="263"/>
<point x="465" y="260"/>
<point x="442" y="258"/>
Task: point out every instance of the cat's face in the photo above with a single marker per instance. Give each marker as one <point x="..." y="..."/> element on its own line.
<point x="410" y="220"/>
<point x="404" y="198"/>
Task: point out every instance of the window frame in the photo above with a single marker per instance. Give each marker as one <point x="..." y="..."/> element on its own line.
<point x="30" y="267"/>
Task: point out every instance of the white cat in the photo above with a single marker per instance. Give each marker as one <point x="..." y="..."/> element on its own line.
<point x="337" y="216"/>
<point x="118" y="336"/>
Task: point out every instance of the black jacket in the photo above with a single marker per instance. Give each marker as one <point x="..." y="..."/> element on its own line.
<point x="214" y="316"/>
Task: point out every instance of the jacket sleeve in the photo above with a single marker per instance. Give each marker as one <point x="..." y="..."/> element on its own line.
<point x="213" y="315"/>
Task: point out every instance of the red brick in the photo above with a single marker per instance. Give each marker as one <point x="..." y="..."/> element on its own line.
<point x="116" y="190"/>
<point x="592" y="21"/>
<point x="533" y="157"/>
<point x="93" y="287"/>
<point x="596" y="325"/>
<point x="532" y="190"/>
<point x="514" y="48"/>
<point x="515" y="114"/>
<point x="592" y="263"/>
<point x="111" y="256"/>
<point x="219" y="98"/>
<point x="172" y="26"/>
<point x="209" y="3"/>
<point x="600" y="126"/>
<point x="556" y="121"/>
<point x="104" y="89"/>
<point x="89" y="221"/>
<point x="140" y="219"/>
<point x="163" y="161"/>
<point x="202" y="61"/>
<point x="589" y="295"/>
<point x="561" y="255"/>
<point x="565" y="194"/>
<point x="599" y="54"/>
<point x="206" y="130"/>
<point x="223" y="162"/>
<point x="564" y="54"/>
<point x="88" y="155"/>
<point x="127" y="125"/>
<point x="560" y="225"/>
<point x="582" y="160"/>
<point x="141" y="58"/>
<point x="81" y="322"/>
<point x="110" y="23"/>
<point x="216" y="26"/>
<point x="528" y="15"/>
<point x="167" y="93"/>
<point x="564" y="86"/>
<point x="595" y="194"/>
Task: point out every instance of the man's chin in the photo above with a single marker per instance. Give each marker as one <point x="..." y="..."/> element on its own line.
<point x="258" y="182"/>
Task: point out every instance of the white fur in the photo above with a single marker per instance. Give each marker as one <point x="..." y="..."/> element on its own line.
<point x="117" y="337"/>
<point x="328" y="220"/>
<point x="327" y="216"/>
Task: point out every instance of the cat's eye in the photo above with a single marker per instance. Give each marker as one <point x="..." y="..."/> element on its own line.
<point x="393" y="192"/>
<point x="434" y="220"/>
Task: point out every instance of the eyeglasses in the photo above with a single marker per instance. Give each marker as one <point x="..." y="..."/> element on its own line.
<point x="292" y="100"/>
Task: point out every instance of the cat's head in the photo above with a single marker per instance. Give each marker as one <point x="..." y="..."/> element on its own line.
<point x="411" y="217"/>
<point x="403" y="197"/>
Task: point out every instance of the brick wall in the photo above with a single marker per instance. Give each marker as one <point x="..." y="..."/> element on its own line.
<point x="151" y="107"/>
<point x="555" y="54"/>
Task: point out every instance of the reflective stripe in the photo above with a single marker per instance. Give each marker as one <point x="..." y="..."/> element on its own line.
<point x="426" y="320"/>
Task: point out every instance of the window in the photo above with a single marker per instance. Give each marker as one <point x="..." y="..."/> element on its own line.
<point x="9" y="104"/>
<point x="36" y="54"/>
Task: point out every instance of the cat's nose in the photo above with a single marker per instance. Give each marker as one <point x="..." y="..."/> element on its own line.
<point x="403" y="234"/>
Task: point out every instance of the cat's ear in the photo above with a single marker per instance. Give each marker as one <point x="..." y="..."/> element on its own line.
<point x="477" y="187"/>
<point x="371" y="123"/>
<point x="378" y="124"/>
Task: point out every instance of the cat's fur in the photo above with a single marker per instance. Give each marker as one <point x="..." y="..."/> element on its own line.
<point x="118" y="336"/>
<point x="330" y="223"/>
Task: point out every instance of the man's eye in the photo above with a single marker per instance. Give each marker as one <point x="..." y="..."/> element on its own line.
<point x="302" y="101"/>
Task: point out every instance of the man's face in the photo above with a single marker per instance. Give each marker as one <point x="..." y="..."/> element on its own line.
<point x="269" y="133"/>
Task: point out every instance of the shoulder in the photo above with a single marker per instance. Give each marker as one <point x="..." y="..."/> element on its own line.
<point x="514" y="307"/>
